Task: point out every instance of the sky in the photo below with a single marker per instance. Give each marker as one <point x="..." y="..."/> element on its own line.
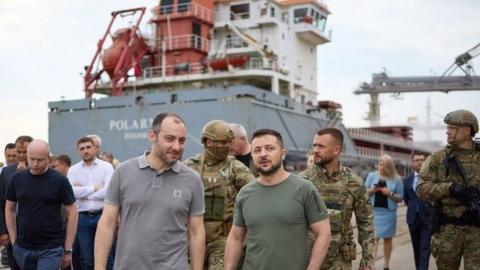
<point x="45" y="45"/>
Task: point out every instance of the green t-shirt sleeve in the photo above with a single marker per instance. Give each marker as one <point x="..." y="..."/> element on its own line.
<point x="315" y="208"/>
<point x="237" y="211"/>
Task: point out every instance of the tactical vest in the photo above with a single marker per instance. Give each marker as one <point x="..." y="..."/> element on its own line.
<point x="220" y="191"/>
<point x="470" y="161"/>
<point x="338" y="198"/>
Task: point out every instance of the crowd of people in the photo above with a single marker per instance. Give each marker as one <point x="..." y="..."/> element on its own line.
<point x="91" y="175"/>
<point x="234" y="205"/>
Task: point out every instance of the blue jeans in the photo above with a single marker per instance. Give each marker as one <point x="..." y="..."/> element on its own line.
<point x="76" y="260"/>
<point x="44" y="259"/>
<point x="87" y="226"/>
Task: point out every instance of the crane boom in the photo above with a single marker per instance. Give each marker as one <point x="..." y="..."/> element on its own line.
<point x="382" y="83"/>
<point x="468" y="55"/>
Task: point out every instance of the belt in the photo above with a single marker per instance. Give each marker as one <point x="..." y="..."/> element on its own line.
<point x="91" y="213"/>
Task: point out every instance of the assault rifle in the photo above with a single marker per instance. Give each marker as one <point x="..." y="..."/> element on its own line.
<point x="473" y="207"/>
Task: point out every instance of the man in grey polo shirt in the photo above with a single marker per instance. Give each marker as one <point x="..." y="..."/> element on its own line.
<point x="159" y="201"/>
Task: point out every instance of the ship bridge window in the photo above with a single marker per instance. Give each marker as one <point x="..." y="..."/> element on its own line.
<point x="240" y="12"/>
<point x="183" y="5"/>
<point x="166" y="6"/>
<point x="196" y="35"/>
<point x="299" y="15"/>
<point x="318" y="20"/>
<point x="321" y="22"/>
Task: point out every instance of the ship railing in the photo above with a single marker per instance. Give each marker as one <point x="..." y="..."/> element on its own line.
<point x="239" y="16"/>
<point x="376" y="136"/>
<point x="371" y="153"/>
<point x="185" y="10"/>
<point x="174" y="70"/>
<point x="192" y="68"/>
<point x="235" y="42"/>
<point x="368" y="152"/>
<point x="254" y="63"/>
<point x="231" y="16"/>
<point x="184" y="42"/>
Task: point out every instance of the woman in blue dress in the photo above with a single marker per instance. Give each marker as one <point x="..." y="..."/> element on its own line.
<point x="385" y="190"/>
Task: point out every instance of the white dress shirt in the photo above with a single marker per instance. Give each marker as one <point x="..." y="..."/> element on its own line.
<point x="83" y="179"/>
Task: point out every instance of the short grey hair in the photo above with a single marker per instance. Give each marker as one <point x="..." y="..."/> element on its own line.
<point x="95" y="138"/>
<point x="238" y="130"/>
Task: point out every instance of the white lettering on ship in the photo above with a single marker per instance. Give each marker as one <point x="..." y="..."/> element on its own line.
<point x="135" y="129"/>
<point x="125" y="124"/>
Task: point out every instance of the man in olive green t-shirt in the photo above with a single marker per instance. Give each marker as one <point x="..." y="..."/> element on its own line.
<point x="274" y="213"/>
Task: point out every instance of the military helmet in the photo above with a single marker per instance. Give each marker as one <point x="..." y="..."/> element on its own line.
<point x="217" y="130"/>
<point x="462" y="118"/>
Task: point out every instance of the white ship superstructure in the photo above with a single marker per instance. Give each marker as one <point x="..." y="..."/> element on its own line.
<point x="248" y="62"/>
<point x="266" y="43"/>
<point x="280" y="36"/>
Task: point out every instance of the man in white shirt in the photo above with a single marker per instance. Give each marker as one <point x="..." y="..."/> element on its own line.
<point x="89" y="178"/>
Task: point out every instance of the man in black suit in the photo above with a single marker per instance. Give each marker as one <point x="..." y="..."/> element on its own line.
<point x="417" y="219"/>
<point x="21" y="144"/>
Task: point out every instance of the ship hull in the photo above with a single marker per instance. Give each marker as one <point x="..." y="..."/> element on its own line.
<point x="123" y="122"/>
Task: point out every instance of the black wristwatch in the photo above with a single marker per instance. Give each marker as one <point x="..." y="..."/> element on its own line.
<point x="68" y="250"/>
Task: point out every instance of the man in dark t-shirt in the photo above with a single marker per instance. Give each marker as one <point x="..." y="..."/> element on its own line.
<point x="33" y="217"/>
<point x="240" y="147"/>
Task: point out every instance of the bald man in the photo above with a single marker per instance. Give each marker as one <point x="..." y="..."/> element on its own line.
<point x="32" y="213"/>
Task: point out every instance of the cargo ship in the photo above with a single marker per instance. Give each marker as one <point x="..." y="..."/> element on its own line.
<point x="248" y="62"/>
<point x="252" y="63"/>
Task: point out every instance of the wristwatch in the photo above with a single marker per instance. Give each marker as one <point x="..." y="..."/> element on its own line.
<point x="68" y="250"/>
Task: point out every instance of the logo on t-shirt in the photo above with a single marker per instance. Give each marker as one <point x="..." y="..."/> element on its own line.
<point x="177" y="193"/>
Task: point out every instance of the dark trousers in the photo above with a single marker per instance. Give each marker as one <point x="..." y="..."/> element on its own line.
<point x="421" y="235"/>
<point x="45" y="259"/>
<point x="76" y="260"/>
<point x="87" y="226"/>
<point x="11" y="260"/>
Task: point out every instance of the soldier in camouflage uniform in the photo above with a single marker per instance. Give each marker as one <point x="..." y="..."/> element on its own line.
<point x="456" y="228"/>
<point x="222" y="176"/>
<point x="344" y="194"/>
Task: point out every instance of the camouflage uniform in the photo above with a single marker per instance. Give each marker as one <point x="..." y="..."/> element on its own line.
<point x="456" y="235"/>
<point x="344" y="193"/>
<point x="451" y="241"/>
<point x="222" y="180"/>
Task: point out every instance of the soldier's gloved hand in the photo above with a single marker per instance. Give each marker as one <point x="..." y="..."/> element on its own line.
<point x="462" y="193"/>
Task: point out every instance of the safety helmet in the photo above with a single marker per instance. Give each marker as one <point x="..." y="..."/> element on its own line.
<point x="217" y="130"/>
<point x="462" y="118"/>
